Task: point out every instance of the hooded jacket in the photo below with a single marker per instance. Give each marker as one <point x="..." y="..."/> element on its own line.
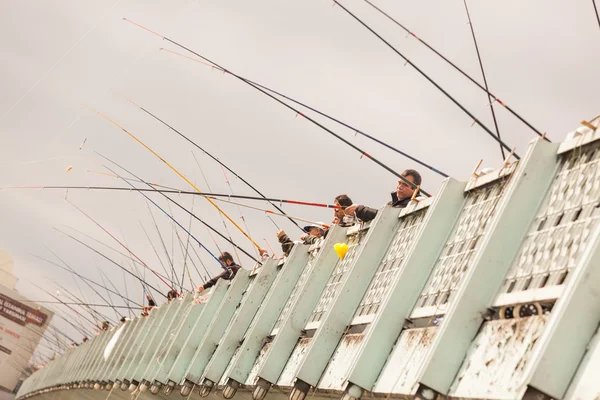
<point x="227" y="275"/>
<point x="365" y="213"/>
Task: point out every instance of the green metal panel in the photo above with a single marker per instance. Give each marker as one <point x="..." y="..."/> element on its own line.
<point x="573" y="322"/>
<point x="218" y="325"/>
<point x="269" y="312"/>
<point x="290" y="330"/>
<point x="355" y="284"/>
<point x="112" y="372"/>
<point x="479" y="287"/>
<point x="183" y="331"/>
<point x="395" y="309"/>
<point x="167" y="334"/>
<point x="238" y="326"/>
<point x="162" y="328"/>
<point x="185" y="354"/>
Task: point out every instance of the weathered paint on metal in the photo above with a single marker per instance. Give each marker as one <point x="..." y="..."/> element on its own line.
<point x="497" y="359"/>
<point x="335" y="375"/>
<point x="400" y="374"/>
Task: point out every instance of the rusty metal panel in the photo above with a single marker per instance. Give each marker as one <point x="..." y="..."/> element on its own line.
<point x="289" y="372"/>
<point x="400" y="374"/>
<point x="389" y="267"/>
<point x="455" y="259"/>
<point x="560" y="233"/>
<point x="495" y="363"/>
<point x="334" y="377"/>
<point x="336" y="278"/>
<point x="260" y="360"/>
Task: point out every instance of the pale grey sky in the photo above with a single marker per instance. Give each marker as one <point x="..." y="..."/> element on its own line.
<point x="540" y="57"/>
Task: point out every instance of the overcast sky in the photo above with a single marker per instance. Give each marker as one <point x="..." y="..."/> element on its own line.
<point x="540" y="57"/>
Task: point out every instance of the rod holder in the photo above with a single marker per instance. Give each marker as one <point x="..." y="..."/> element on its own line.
<point x="261" y="389"/>
<point x="169" y="388"/>
<point x="187" y="387"/>
<point x="155" y="388"/>
<point x="109" y="386"/>
<point x="300" y="390"/>
<point x="230" y="388"/>
<point x="353" y="392"/>
<point x="206" y="388"/>
<point x="124" y="385"/>
<point x="425" y="393"/>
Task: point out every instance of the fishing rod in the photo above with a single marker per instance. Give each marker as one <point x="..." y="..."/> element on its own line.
<point x="178" y="173"/>
<point x="80" y="304"/>
<point x="118" y="315"/>
<point x="103" y="276"/>
<point x="84" y="281"/>
<point x="115" y="176"/>
<point x="596" y="11"/>
<point x="272" y="212"/>
<point x="122" y="245"/>
<point x="81" y="277"/>
<point x="152" y="189"/>
<point x="163" y="245"/>
<point x="68" y="306"/>
<point x="166" y="213"/>
<point x="485" y="89"/>
<point x="112" y="261"/>
<point x="207" y="153"/>
<point x="186" y="192"/>
<point x="362" y="152"/>
<point x="98" y="317"/>
<point x="448" y="95"/>
<point x="489" y="96"/>
<point x="336" y="120"/>
<point x="152" y="245"/>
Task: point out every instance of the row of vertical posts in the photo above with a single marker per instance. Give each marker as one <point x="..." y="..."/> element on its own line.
<point x="488" y="290"/>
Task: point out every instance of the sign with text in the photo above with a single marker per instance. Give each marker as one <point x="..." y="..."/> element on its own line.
<point x="20" y="313"/>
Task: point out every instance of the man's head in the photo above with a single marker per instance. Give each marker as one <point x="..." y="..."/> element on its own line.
<point x="404" y="190"/>
<point x="314" y="230"/>
<point x="343" y="201"/>
<point x="123" y="320"/>
<point x="226" y="258"/>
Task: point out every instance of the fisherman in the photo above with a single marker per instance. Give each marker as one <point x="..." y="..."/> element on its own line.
<point x="172" y="295"/>
<point x="105" y="326"/>
<point x="85" y="339"/>
<point x="400" y="198"/>
<point x="313" y="233"/>
<point x="123" y="320"/>
<point x="230" y="270"/>
<point x="344" y="218"/>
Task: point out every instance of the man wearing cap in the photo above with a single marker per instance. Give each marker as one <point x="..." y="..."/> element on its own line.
<point x="313" y="233"/>
<point x="400" y="197"/>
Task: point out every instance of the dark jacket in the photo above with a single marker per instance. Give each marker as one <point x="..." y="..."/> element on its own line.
<point x="365" y="213"/>
<point x="287" y="244"/>
<point x="227" y="275"/>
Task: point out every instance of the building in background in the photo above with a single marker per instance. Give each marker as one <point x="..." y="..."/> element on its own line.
<point x="21" y="326"/>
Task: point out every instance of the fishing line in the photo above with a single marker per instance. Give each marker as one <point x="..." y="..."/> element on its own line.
<point x="496" y="99"/>
<point x="122" y="245"/>
<point x="336" y="120"/>
<point x="489" y="96"/>
<point x="297" y="112"/>
<point x="205" y="152"/>
<point x="475" y="119"/>
<point x="181" y="207"/>
<point x="114" y="262"/>
<point x="177" y="172"/>
<point x="167" y="214"/>
<point x="161" y="240"/>
<point x="204" y="194"/>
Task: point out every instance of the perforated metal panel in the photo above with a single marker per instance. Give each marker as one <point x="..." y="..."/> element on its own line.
<point x="389" y="266"/>
<point x="303" y="277"/>
<point x="561" y="230"/>
<point x="480" y="206"/>
<point x="334" y="283"/>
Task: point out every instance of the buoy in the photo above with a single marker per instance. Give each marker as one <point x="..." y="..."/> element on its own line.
<point x="69" y="168"/>
<point x="340" y="249"/>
